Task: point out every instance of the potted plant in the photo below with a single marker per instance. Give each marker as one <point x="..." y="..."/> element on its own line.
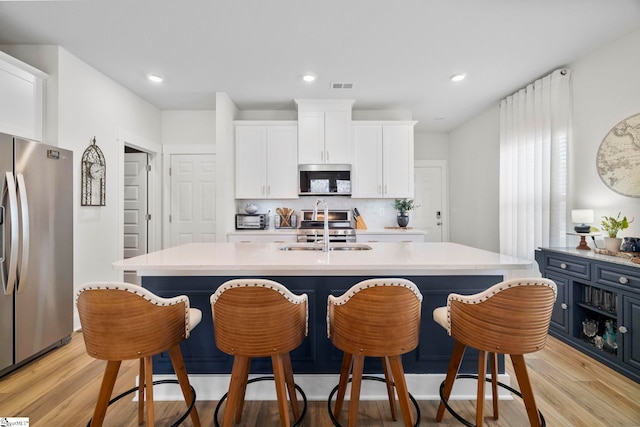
<point x="403" y="206"/>
<point x="611" y="226"/>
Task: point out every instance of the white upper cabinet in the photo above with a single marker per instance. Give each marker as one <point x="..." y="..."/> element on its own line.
<point x="266" y="160"/>
<point x="324" y="132"/>
<point x="383" y="160"/>
<point x="22" y="89"/>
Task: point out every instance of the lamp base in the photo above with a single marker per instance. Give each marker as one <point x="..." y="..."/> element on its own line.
<point x="582" y="228"/>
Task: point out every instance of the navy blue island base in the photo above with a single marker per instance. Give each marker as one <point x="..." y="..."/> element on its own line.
<point x="317" y="355"/>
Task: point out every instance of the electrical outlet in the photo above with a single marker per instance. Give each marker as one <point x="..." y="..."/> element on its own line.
<point x="381" y="212"/>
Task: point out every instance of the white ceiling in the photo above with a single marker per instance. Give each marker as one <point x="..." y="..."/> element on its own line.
<point x="399" y="53"/>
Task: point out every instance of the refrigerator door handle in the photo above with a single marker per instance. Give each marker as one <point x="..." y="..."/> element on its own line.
<point x="9" y="277"/>
<point x="24" y="220"/>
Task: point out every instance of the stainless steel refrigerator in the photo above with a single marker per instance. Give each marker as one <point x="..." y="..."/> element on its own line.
<point x="36" y="249"/>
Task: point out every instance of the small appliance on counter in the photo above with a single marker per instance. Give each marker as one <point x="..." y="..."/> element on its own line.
<point x="258" y="221"/>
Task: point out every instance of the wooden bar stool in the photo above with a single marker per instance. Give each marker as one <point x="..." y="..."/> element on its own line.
<point x="122" y="321"/>
<point x="377" y="318"/>
<point x="259" y="318"/>
<point x="511" y="317"/>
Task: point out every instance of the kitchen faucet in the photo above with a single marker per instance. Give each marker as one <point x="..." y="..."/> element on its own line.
<point x="325" y="241"/>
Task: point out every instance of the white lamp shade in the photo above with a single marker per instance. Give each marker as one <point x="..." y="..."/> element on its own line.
<point x="582" y="216"/>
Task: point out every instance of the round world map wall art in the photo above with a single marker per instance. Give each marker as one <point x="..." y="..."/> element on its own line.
<point x="618" y="159"/>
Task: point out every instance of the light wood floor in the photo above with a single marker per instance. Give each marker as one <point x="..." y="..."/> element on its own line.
<point x="571" y="389"/>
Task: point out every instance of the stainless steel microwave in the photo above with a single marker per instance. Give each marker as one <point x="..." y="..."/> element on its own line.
<point x="252" y="221"/>
<point x="323" y="180"/>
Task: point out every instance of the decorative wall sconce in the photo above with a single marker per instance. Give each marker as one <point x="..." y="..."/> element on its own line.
<point x="93" y="176"/>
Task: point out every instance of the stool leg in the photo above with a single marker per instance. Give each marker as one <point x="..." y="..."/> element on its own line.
<point x="493" y="362"/>
<point x="401" y="387"/>
<point x="388" y="378"/>
<point x="148" y="385"/>
<point x="238" y="377"/>
<point x="452" y="371"/>
<point x="181" y="372"/>
<point x="281" y="389"/>
<point x="108" y="381"/>
<point x="345" y="369"/>
<point x="356" y="382"/>
<point x="243" y="393"/>
<point x="291" y="385"/>
<point x="520" y="368"/>
<point x="141" y="393"/>
<point x="482" y="374"/>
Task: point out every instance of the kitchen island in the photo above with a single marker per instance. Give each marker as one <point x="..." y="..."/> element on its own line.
<point x="438" y="269"/>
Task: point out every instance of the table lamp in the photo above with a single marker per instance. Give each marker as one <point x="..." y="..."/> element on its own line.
<point x="583" y="218"/>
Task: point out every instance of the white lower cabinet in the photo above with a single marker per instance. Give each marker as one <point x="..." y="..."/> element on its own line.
<point x="383" y="160"/>
<point x="258" y="237"/>
<point x="266" y="161"/>
<point x="389" y="237"/>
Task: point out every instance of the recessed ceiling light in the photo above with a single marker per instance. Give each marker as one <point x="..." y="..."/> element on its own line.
<point x="309" y="77"/>
<point x="438" y="118"/>
<point x="458" y="77"/>
<point x="155" y="78"/>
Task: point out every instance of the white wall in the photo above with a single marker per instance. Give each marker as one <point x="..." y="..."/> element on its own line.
<point x="188" y="127"/>
<point x="606" y="90"/>
<point x="226" y="113"/>
<point x="474" y="153"/>
<point x="431" y="146"/>
<point x="83" y="103"/>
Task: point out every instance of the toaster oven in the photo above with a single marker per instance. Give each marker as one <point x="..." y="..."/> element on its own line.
<point x="252" y="221"/>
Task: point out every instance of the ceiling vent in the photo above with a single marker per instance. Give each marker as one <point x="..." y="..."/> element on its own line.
<point x="342" y="85"/>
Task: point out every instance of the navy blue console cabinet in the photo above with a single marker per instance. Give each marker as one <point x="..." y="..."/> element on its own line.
<point x="598" y="305"/>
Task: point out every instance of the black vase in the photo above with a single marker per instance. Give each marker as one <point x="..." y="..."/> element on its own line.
<point x="403" y="219"/>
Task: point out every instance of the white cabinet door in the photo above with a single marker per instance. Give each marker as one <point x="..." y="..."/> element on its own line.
<point x="337" y="137"/>
<point x="367" y="161"/>
<point x="266" y="162"/>
<point x="324" y="137"/>
<point x="383" y="160"/>
<point x="310" y="138"/>
<point x="282" y="162"/>
<point x="22" y="89"/>
<point x="251" y="163"/>
<point x="397" y="161"/>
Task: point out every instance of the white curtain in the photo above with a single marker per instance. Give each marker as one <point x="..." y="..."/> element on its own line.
<point x="535" y="128"/>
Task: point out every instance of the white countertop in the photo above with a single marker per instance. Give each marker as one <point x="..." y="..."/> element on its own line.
<point x="390" y="231"/>
<point x="592" y="255"/>
<point x="251" y="259"/>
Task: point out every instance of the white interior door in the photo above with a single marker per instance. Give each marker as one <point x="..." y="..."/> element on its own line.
<point x="135" y="204"/>
<point x="193" y="198"/>
<point x="429" y="195"/>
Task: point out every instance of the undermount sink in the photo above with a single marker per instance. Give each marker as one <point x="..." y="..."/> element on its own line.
<point x="332" y="247"/>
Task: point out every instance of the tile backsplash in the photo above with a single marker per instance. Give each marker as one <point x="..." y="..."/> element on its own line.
<point x="377" y="213"/>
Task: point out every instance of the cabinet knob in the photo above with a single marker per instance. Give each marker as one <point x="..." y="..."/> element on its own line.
<point x="563" y="266"/>
<point x="623" y="280"/>
<point x="622" y="329"/>
<point x="564" y="306"/>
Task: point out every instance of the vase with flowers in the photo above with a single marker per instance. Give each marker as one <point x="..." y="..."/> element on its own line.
<point x="612" y="226"/>
<point x="403" y="206"/>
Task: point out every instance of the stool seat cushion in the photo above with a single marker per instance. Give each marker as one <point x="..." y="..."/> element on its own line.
<point x="195" y="316"/>
<point x="440" y="315"/>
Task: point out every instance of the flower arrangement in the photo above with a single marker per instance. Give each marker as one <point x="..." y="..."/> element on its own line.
<point x="611" y="225"/>
<point x="404" y="205"/>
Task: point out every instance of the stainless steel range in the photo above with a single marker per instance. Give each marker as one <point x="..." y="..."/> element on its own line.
<point x="340" y="227"/>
